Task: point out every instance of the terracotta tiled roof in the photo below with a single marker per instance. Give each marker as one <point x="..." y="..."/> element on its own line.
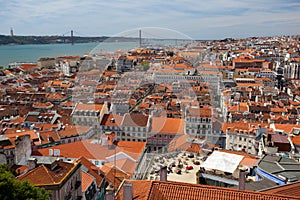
<point x="90" y="107"/>
<point x="111" y="120"/>
<point x="296" y="140"/>
<point x="49" y="137"/>
<point x="156" y="190"/>
<point x="42" y="175"/>
<point x="141" y="190"/>
<point x="28" y="67"/>
<point x="277" y="138"/>
<point x="288" y="189"/>
<point x="86" y="181"/>
<point x="126" y="165"/>
<point x="109" y="73"/>
<point x="20" y="169"/>
<point x="180" y="143"/>
<point x="93" y="170"/>
<point x="286" y="127"/>
<point x="167" y="125"/>
<point x="203" y="111"/>
<point x="91" y="149"/>
<point x="135" y="120"/>
<point x="13" y="133"/>
<point x="46" y="105"/>
<point x="70" y="131"/>
<point x="278" y="110"/>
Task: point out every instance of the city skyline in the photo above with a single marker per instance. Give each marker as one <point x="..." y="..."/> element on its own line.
<point x="199" y="20"/>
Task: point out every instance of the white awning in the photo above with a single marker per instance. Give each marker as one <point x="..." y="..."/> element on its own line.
<point x="222" y="161"/>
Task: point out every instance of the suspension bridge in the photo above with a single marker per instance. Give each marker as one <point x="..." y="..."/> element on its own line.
<point x="143" y="36"/>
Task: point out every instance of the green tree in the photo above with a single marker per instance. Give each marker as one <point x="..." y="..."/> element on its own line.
<point x="145" y="65"/>
<point x="13" y="189"/>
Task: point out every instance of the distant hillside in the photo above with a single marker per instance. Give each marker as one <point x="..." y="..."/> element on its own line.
<point x="8" y="40"/>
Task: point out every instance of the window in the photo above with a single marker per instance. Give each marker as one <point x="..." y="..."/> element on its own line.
<point x="96" y="162"/>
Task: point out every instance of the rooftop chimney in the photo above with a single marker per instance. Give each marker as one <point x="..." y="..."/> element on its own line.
<point x="32" y="163"/>
<point x="127" y="191"/>
<point x="242" y="178"/>
<point x="163" y="173"/>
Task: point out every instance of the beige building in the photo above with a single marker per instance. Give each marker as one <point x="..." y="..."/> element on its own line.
<point x="135" y="127"/>
<point x="89" y="115"/>
<point x="198" y="122"/>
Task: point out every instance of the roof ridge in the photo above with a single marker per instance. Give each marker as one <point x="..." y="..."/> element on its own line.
<point x="47" y="171"/>
<point x="249" y="192"/>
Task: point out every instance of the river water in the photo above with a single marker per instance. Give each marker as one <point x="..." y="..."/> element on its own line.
<point x="32" y="52"/>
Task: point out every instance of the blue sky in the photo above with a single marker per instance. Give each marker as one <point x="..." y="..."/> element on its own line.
<point x="199" y="19"/>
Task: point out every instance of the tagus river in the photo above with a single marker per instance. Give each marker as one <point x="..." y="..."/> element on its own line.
<point x="32" y="52"/>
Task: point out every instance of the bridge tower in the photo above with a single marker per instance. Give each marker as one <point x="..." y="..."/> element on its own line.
<point x="72" y="37"/>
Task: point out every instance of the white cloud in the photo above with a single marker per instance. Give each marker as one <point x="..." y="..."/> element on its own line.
<point x="216" y="18"/>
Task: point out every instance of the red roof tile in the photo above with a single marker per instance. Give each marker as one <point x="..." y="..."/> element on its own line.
<point x="135" y="120"/>
<point x="167" y="125"/>
<point x="156" y="190"/>
<point x="93" y="170"/>
<point x="44" y="176"/>
<point x="288" y="189"/>
<point x="92" y="149"/>
<point x="90" y="107"/>
<point x="87" y="180"/>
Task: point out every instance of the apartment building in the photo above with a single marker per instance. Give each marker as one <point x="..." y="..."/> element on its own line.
<point x="163" y="130"/>
<point x="89" y="115"/>
<point x="62" y="179"/>
<point x="198" y="122"/>
<point x="245" y="137"/>
<point x="135" y="127"/>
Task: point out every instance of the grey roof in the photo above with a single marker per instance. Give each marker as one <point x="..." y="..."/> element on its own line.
<point x="259" y="185"/>
<point x="283" y="168"/>
<point x="46" y="160"/>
